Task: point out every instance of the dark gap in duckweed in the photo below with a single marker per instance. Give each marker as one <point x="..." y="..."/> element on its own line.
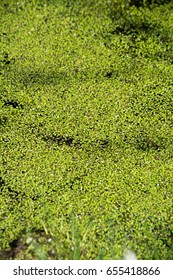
<point x="142" y="3"/>
<point x="147" y="144"/>
<point x="60" y="140"/>
<point x="72" y="142"/>
<point x="3" y="120"/>
<point x="72" y="182"/>
<point x="128" y="27"/>
<point x="142" y="142"/>
<point x="13" y="103"/>
<point x="12" y="193"/>
<point x="2" y="182"/>
<point x="103" y="143"/>
<point x="6" y="59"/>
<point x="109" y="74"/>
<point x="16" y="247"/>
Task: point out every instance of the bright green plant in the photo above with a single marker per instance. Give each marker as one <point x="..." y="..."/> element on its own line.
<point x="86" y="130"/>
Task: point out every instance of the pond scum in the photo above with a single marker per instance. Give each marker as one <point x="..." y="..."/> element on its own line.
<point x="86" y="129"/>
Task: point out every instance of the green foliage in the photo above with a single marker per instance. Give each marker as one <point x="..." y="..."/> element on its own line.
<point x="86" y="122"/>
